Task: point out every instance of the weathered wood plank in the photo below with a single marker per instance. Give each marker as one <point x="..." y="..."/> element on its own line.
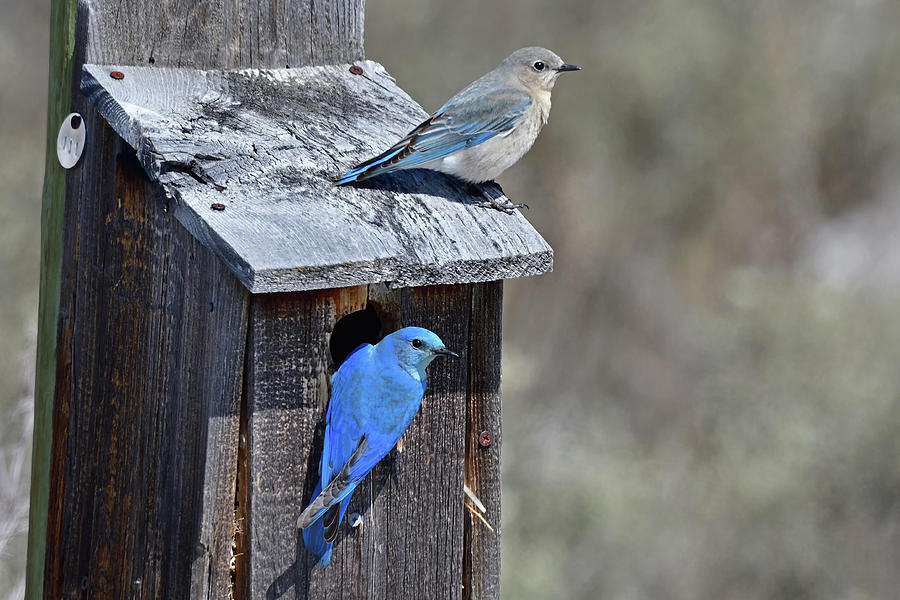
<point x="143" y="454"/>
<point x="166" y="32"/>
<point x="417" y="520"/>
<point x="410" y="544"/>
<point x="288" y="370"/>
<point x="264" y="143"/>
<point x="147" y="457"/>
<point x="481" y="566"/>
<point x="80" y="182"/>
<point x="226" y="34"/>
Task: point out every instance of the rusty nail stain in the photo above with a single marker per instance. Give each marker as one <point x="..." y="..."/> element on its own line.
<point x="217" y="206"/>
<point x="485" y="439"/>
<point x="75" y="121"/>
<point x="117" y="75"/>
<point x="356" y="70"/>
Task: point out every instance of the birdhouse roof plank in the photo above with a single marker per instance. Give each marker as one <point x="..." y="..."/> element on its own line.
<point x="245" y="160"/>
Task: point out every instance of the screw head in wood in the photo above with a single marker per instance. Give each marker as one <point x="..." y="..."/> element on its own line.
<point x="70" y="140"/>
<point x="354" y="520"/>
<point x="117" y="75"/>
<point x="485" y="439"/>
<point x="217" y="206"/>
<point x="356" y="70"/>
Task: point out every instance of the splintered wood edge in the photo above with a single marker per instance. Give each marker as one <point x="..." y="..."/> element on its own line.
<point x="398" y="271"/>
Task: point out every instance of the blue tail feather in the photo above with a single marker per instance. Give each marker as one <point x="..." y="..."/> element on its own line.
<point x="314" y="535"/>
<point x="354" y="173"/>
<point x="314" y="540"/>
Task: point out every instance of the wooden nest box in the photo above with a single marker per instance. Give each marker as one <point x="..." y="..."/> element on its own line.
<point x="212" y="279"/>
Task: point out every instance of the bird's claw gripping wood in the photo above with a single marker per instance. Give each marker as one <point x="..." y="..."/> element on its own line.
<point x="501" y="203"/>
<point x="507" y="207"/>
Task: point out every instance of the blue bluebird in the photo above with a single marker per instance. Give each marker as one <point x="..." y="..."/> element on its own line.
<point x="376" y="392"/>
<point x="481" y="131"/>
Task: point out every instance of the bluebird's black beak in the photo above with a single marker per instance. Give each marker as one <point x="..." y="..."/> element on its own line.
<point x="567" y="67"/>
<point x="445" y="352"/>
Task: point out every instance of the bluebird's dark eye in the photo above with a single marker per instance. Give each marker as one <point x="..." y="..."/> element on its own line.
<point x="417" y="343"/>
<point x="539" y="66"/>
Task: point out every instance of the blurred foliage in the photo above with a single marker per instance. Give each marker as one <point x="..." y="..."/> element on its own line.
<point x="23" y="90"/>
<point x="703" y="400"/>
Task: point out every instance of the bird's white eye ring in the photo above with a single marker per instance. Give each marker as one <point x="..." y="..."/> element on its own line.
<point x="538" y="66"/>
<point x="417" y="343"/>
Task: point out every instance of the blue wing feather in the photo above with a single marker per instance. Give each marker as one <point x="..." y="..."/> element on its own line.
<point x="472" y="117"/>
<point x="342" y="432"/>
<point x="342" y="436"/>
<point x="314" y="535"/>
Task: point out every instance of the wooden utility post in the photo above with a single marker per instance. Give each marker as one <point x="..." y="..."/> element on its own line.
<point x="205" y="264"/>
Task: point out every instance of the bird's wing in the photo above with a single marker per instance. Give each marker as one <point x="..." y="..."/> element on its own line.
<point x="468" y="119"/>
<point x="342" y="432"/>
<point x="345" y="441"/>
<point x="333" y="493"/>
<point x="347" y="454"/>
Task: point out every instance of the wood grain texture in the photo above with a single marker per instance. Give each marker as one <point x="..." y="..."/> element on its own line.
<point x="481" y="562"/>
<point x="417" y="520"/>
<point x="264" y="144"/>
<point x="226" y="34"/>
<point x="410" y="544"/>
<point x="149" y="366"/>
<point x="287" y="390"/>
<point x="148" y="396"/>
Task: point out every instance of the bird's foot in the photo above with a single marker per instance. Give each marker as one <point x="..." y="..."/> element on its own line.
<point x="507" y="206"/>
<point x="501" y="203"/>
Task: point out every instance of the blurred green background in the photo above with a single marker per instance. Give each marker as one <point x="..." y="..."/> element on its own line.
<point x="703" y="400"/>
<point x="24" y="50"/>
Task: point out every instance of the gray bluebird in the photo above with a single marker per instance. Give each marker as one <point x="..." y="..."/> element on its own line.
<point x="481" y="131"/>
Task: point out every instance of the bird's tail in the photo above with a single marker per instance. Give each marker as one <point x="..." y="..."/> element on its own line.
<point x="374" y="166"/>
<point x="314" y="540"/>
<point x="338" y="489"/>
<point x="320" y="535"/>
<point x="320" y="520"/>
